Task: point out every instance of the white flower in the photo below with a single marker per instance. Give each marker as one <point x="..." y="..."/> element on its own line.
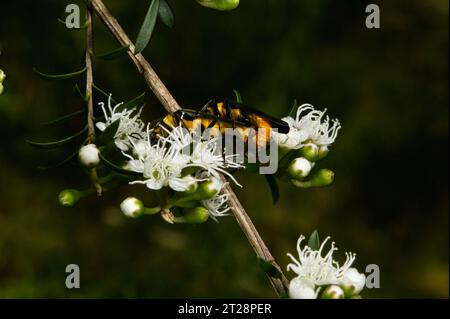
<point x="302" y="288"/>
<point x="132" y="207"/>
<point x="319" y="270"/>
<point x="89" y="155"/>
<point x="217" y="206"/>
<point x="130" y="126"/>
<point x="312" y="126"/>
<point x="354" y="281"/>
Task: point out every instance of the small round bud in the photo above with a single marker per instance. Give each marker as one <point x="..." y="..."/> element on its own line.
<point x="132" y="207"/>
<point x="197" y="215"/>
<point x="321" y="178"/>
<point x="353" y="282"/>
<point x="69" y="197"/>
<point x="323" y="152"/>
<point x="299" y="168"/>
<point x="333" y="292"/>
<point x="89" y="155"/>
<point x="310" y="151"/>
<point x="222" y="5"/>
<point x="1" y="88"/>
<point x="2" y="76"/>
<point x="300" y="288"/>
<point x="208" y="189"/>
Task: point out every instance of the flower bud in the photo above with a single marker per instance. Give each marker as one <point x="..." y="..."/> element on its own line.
<point x="300" y="288"/>
<point x="333" y="292"/>
<point x="310" y="151"/>
<point x="1" y="88"/>
<point x="323" y="152"/>
<point x="353" y="282"/>
<point x="89" y="155"/>
<point x="132" y="207"/>
<point x="222" y="5"/>
<point x="321" y="178"/>
<point x="69" y="197"/>
<point x="299" y="168"/>
<point x="197" y="215"/>
<point x="2" y="76"/>
<point x="209" y="188"/>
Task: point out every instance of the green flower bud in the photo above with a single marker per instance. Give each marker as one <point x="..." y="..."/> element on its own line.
<point x="209" y="188"/>
<point x="2" y="76"/>
<point x="333" y="292"/>
<point x="299" y="168"/>
<point x="69" y="197"/>
<point x="132" y="207"/>
<point x="197" y="215"/>
<point x="222" y="5"/>
<point x="321" y="178"/>
<point x="353" y="282"/>
<point x="310" y="151"/>
<point x="1" y="89"/>
<point x="323" y="152"/>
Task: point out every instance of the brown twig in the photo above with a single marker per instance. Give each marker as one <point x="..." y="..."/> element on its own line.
<point x="171" y="105"/>
<point x="89" y="85"/>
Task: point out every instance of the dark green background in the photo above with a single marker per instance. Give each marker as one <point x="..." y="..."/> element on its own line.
<point x="389" y="204"/>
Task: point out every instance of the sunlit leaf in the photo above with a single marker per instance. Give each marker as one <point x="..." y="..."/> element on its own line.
<point x="166" y="14"/>
<point x="59" y="77"/>
<point x="65" y="118"/>
<point x="146" y="31"/>
<point x="272" y="181"/>
<point x="114" y="54"/>
<point x="59" y="143"/>
<point x="268" y="268"/>
<point x="314" y="241"/>
<point x="62" y="163"/>
<point x="138" y="100"/>
<point x="109" y="133"/>
<point x="117" y="168"/>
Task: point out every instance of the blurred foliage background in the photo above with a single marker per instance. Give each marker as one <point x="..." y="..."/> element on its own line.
<point x="389" y="88"/>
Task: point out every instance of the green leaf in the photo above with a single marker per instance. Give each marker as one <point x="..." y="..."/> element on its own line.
<point x="272" y="181"/>
<point x="268" y="268"/>
<point x="238" y="96"/>
<point x="117" y="168"/>
<point x="59" y="77"/>
<point x="145" y="33"/>
<point x="49" y="145"/>
<point x="166" y="14"/>
<point x="314" y="241"/>
<point x="293" y="111"/>
<point x="109" y="133"/>
<point x="102" y="92"/>
<point x="65" y="118"/>
<point x="138" y="100"/>
<point x="59" y="164"/>
<point x="77" y="90"/>
<point x="114" y="54"/>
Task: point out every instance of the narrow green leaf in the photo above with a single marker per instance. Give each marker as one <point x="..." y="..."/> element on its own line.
<point x="102" y="92"/>
<point x="114" y="54"/>
<point x="272" y="181"/>
<point x="238" y="96"/>
<point x="65" y="118"/>
<point x="145" y="33"/>
<point x="293" y="111"/>
<point x="49" y="145"/>
<point x="59" y="77"/>
<point x="166" y="14"/>
<point x="117" y="168"/>
<point x="77" y="91"/>
<point x="138" y="100"/>
<point x="59" y="164"/>
<point x="268" y="268"/>
<point x="109" y="133"/>
<point x="314" y="241"/>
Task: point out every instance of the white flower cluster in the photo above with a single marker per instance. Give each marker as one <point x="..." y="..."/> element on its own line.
<point x="309" y="126"/>
<point x="177" y="159"/>
<point x="315" y="271"/>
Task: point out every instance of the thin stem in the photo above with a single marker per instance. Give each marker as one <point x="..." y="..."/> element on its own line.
<point x="171" y="105"/>
<point x="90" y="104"/>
